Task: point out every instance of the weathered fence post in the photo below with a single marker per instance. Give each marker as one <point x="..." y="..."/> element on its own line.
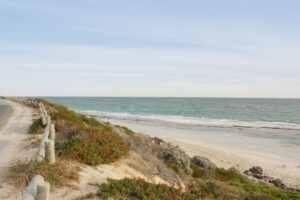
<point x="52" y="132"/>
<point x="50" y="152"/>
<point x="44" y="120"/>
<point x="48" y="119"/>
<point x="43" y="191"/>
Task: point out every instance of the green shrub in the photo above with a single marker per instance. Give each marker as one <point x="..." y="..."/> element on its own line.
<point x="128" y="189"/>
<point x="93" y="148"/>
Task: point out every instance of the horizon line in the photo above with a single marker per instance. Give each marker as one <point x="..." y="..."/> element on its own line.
<point x="219" y="97"/>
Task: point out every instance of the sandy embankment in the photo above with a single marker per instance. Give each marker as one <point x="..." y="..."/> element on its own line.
<point x="286" y="171"/>
<point x="278" y="158"/>
<point x="14" y="141"/>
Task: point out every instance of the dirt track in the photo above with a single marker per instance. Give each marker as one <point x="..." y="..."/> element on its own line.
<point x="13" y="140"/>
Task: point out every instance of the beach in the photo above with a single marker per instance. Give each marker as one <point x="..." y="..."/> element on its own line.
<point x="276" y="151"/>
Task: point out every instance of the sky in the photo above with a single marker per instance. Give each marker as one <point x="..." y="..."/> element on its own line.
<point x="190" y="48"/>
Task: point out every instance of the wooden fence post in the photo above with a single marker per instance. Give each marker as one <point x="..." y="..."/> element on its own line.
<point x="48" y="119"/>
<point x="50" y="152"/>
<point x="52" y="132"/>
<point x="43" y="191"/>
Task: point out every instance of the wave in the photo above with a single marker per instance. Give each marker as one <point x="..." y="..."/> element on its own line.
<point x="194" y="121"/>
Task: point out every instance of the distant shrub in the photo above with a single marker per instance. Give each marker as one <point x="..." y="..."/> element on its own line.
<point x="253" y="189"/>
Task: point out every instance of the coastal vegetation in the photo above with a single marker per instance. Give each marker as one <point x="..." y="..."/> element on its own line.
<point x="227" y="185"/>
<point x="92" y="142"/>
<point x="137" y="189"/>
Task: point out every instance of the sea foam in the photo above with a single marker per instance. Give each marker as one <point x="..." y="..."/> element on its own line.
<point x="194" y="121"/>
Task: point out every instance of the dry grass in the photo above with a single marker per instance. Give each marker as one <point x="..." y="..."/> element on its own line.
<point x="59" y="174"/>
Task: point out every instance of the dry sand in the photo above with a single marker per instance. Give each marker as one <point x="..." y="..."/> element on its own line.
<point x="13" y="144"/>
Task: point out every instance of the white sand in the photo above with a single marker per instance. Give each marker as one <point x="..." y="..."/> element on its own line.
<point x="13" y="142"/>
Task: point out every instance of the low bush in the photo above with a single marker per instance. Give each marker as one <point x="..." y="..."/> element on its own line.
<point x="128" y="189"/>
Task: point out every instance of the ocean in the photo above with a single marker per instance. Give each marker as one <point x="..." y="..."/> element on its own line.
<point x="206" y="112"/>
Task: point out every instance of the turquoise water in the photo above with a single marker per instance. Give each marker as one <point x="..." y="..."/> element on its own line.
<point x="268" y="113"/>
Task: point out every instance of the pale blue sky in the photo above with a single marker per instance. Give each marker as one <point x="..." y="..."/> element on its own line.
<point x="232" y="48"/>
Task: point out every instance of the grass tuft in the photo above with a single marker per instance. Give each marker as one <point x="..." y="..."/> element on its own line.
<point x="58" y="174"/>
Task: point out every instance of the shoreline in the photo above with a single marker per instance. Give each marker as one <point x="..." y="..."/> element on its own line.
<point x="195" y="121"/>
<point x="227" y="156"/>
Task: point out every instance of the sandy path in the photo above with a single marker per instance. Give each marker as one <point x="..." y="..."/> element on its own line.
<point x="13" y="136"/>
